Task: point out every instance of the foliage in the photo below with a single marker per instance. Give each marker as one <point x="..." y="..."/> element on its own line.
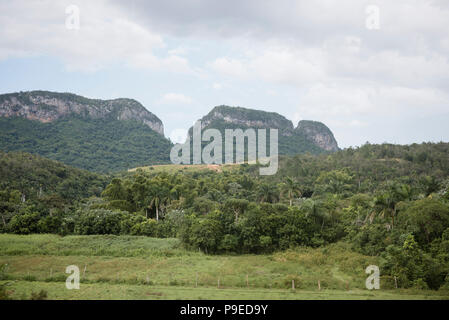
<point x="385" y="201"/>
<point x="34" y="177"/>
<point x="100" y="145"/>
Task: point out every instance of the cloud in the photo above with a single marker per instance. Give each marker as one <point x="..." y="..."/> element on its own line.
<point x="346" y="101"/>
<point x="175" y="99"/>
<point x="301" y="42"/>
<point x="318" y="57"/>
<point x="231" y="67"/>
<point x="105" y="36"/>
<point x="337" y="60"/>
<point x="171" y="63"/>
<point x="307" y="22"/>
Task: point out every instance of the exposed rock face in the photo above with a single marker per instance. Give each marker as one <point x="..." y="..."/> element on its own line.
<point x="248" y="118"/>
<point x="307" y="132"/>
<point x="47" y="106"/>
<point x="319" y="133"/>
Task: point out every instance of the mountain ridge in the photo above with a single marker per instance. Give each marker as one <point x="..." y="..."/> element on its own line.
<point x="92" y="134"/>
<point x="306" y="131"/>
<point x="47" y="106"/>
<point x="248" y="117"/>
<point x="117" y="134"/>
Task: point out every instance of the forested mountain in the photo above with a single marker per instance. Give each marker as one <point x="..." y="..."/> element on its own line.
<point x="309" y="136"/>
<point x="97" y="135"/>
<point x="113" y="135"/>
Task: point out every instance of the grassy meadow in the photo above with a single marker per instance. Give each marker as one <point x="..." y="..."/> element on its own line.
<point x="131" y="267"/>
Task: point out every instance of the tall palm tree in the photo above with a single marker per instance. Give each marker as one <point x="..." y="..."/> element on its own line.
<point x="155" y="202"/>
<point x="314" y="209"/>
<point x="386" y="203"/>
<point x="291" y="188"/>
<point x="158" y="197"/>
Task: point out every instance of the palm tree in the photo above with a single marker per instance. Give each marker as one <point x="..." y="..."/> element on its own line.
<point x="315" y="210"/>
<point x="291" y="188"/>
<point x="155" y="202"/>
<point x="386" y="203"/>
<point x="267" y="193"/>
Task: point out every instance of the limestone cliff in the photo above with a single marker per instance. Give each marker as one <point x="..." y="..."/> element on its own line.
<point x="308" y="136"/>
<point x="319" y="133"/>
<point x="46" y="106"/>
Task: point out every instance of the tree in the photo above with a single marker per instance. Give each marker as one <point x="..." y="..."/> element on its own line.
<point x="9" y="204"/>
<point x="386" y="202"/>
<point x="99" y="221"/>
<point x="206" y="234"/>
<point x="158" y="196"/>
<point x="24" y="223"/>
<point x="335" y="181"/>
<point x="291" y="188"/>
<point x="237" y="206"/>
<point x="267" y="193"/>
<point x="315" y="210"/>
<point x="155" y="202"/>
<point x="115" y="190"/>
<point x="427" y="219"/>
<point x="140" y="191"/>
<point x="429" y="185"/>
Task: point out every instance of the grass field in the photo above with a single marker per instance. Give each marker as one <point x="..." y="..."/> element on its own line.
<point x="105" y="291"/>
<point x="127" y="267"/>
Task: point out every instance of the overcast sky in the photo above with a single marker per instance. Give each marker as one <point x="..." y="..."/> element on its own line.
<point x="368" y="79"/>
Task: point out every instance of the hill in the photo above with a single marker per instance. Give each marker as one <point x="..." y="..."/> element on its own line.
<point x="119" y="134"/>
<point x="308" y="137"/>
<point x="92" y="134"/>
<point x="36" y="177"/>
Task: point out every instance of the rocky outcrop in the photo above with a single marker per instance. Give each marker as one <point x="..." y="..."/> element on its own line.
<point x="310" y="136"/>
<point x="248" y="118"/>
<point x="47" y="106"/>
<point x="318" y="133"/>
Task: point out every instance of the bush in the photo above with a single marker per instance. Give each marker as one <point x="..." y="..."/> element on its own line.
<point x="24" y="223"/>
<point x="98" y="221"/>
<point x="4" y="294"/>
<point x="420" y="284"/>
<point x="427" y="219"/>
<point x="229" y="243"/>
<point x="146" y="228"/>
<point x="50" y="224"/>
<point x="41" y="295"/>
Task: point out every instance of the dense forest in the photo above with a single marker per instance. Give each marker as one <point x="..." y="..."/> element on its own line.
<point x="384" y="200"/>
<point x="100" y="145"/>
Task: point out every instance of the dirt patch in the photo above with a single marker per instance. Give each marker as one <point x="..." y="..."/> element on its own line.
<point x="214" y="167"/>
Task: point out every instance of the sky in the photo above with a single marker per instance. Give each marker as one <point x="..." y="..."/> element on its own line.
<point x="374" y="71"/>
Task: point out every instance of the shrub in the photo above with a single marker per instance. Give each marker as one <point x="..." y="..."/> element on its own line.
<point x="98" y="221"/>
<point x="41" y="295"/>
<point x="24" y="223"/>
